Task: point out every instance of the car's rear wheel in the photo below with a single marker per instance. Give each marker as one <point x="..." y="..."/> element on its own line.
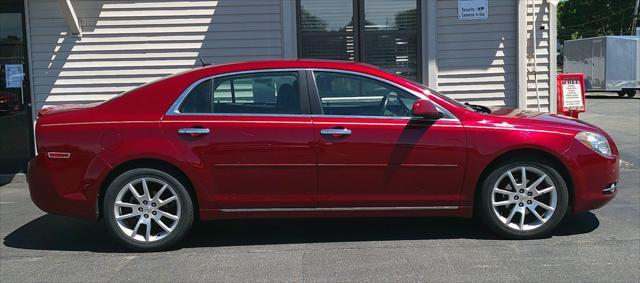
<point x="523" y="200"/>
<point x="147" y="209"/>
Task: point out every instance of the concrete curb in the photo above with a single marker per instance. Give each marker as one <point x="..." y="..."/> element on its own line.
<point x="19" y="178"/>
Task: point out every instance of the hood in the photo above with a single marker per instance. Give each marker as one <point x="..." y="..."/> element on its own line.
<point x="543" y="117"/>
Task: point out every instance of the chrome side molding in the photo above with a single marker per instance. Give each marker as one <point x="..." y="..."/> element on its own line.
<point x="363" y="208"/>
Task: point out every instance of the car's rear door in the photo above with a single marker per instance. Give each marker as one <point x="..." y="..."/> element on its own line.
<point x="252" y="134"/>
<point x="372" y="153"/>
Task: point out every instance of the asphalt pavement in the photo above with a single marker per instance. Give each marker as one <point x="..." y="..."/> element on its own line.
<point x="603" y="245"/>
<point x="620" y="118"/>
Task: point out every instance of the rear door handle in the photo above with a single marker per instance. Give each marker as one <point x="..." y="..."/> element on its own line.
<point x="335" y="132"/>
<point x="194" y="132"/>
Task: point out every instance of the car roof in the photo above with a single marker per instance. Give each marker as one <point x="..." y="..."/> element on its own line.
<point x="283" y="64"/>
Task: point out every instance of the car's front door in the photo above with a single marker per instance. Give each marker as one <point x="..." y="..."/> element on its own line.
<point x="252" y="134"/>
<point x="372" y="153"/>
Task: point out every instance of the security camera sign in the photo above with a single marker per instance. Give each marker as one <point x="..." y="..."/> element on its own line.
<point x="473" y="9"/>
<point x="13" y="75"/>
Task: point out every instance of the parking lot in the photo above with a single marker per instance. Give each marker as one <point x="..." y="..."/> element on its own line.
<point x="603" y="245"/>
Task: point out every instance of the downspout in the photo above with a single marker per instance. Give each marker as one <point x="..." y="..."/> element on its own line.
<point x="535" y="51"/>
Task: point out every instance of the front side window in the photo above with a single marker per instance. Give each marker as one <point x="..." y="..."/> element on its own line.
<point x="345" y="94"/>
<point x="262" y="93"/>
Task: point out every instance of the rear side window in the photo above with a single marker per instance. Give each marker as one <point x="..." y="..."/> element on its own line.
<point x="260" y="93"/>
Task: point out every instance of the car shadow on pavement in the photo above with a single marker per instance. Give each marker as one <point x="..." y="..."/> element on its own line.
<point x="51" y="232"/>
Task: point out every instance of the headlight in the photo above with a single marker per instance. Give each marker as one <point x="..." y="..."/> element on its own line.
<point x="595" y="142"/>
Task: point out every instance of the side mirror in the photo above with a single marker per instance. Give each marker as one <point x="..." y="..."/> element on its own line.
<point x="426" y="109"/>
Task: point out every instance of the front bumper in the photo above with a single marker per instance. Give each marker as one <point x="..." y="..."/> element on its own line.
<point x="594" y="177"/>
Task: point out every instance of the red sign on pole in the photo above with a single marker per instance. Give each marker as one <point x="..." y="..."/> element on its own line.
<point x="571" y="94"/>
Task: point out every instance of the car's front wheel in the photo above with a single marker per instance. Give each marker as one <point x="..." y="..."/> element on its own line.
<point x="523" y="199"/>
<point x="147" y="209"/>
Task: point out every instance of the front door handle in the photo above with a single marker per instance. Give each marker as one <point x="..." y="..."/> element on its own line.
<point x="194" y="132"/>
<point x="335" y="132"/>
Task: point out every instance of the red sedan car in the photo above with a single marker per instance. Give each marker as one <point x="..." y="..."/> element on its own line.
<point x="311" y="139"/>
<point x="8" y="103"/>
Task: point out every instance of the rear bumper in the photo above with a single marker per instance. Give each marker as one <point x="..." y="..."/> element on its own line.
<point x="592" y="176"/>
<point x="59" y="188"/>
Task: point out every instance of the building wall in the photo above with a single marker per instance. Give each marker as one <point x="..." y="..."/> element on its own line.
<point x="125" y="44"/>
<point x="490" y="61"/>
<point x="477" y="59"/>
<point x="128" y="43"/>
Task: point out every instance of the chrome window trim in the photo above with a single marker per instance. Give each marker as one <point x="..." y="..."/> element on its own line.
<point x="378" y="117"/>
<point x="240" y="115"/>
<point x="174" y="109"/>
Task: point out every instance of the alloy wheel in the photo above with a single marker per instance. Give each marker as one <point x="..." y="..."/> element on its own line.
<point x="147" y="209"/>
<point x="524" y="198"/>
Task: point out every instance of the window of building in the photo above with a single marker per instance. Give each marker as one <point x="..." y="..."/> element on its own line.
<point x="263" y="93"/>
<point x="344" y="94"/>
<point x="379" y="32"/>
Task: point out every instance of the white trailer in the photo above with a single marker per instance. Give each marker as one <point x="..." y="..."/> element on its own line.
<point x="609" y="63"/>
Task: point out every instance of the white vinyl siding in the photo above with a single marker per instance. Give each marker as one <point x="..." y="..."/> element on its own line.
<point x="128" y="43"/>
<point x="125" y="44"/>
<point x="477" y="59"/>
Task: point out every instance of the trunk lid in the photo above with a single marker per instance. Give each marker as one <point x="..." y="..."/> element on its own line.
<point x="53" y="109"/>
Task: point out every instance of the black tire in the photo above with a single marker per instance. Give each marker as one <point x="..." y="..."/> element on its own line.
<point x="180" y="230"/>
<point x="631" y="93"/>
<point x="491" y="220"/>
<point x="621" y="93"/>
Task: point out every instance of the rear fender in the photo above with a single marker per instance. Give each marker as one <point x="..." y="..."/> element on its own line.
<point x="151" y="145"/>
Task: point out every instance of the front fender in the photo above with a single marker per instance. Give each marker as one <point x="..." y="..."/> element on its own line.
<point x="488" y="143"/>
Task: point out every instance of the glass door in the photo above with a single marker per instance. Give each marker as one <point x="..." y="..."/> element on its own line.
<point x="379" y="32"/>
<point x="391" y="36"/>
<point x="16" y="146"/>
<point x="327" y="30"/>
